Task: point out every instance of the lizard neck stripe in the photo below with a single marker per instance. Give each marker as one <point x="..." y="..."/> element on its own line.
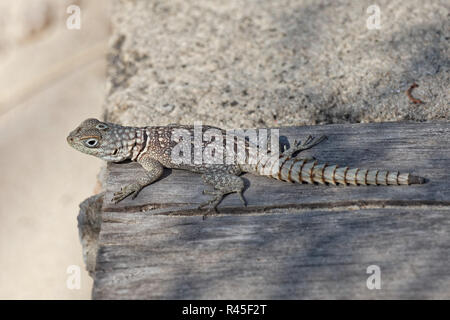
<point x="145" y="143"/>
<point x="144" y="139"/>
<point x="133" y="151"/>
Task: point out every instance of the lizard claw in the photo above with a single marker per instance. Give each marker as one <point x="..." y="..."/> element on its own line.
<point x="298" y="146"/>
<point x="208" y="192"/>
<point x="131" y="189"/>
<point x="307" y="141"/>
<point x="209" y="211"/>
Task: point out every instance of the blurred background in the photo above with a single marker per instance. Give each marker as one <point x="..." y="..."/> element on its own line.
<point x="50" y="79"/>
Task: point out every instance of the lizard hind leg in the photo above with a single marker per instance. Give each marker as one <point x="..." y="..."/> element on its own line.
<point x="307" y="144"/>
<point x="224" y="183"/>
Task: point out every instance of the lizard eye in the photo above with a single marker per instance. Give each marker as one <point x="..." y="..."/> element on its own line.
<point x="102" y="126"/>
<point x="91" y="143"/>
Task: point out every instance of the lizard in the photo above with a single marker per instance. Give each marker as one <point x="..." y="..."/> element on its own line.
<point x="152" y="148"/>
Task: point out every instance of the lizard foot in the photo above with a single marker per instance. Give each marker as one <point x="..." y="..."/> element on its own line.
<point x="300" y="146"/>
<point x="131" y="189"/>
<point x="217" y="197"/>
<point x="224" y="183"/>
<point x="214" y="201"/>
<point x="310" y="142"/>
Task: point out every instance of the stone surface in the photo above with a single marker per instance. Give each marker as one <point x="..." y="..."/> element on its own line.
<point x="268" y="63"/>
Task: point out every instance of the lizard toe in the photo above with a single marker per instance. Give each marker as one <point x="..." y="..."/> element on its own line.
<point x="117" y="198"/>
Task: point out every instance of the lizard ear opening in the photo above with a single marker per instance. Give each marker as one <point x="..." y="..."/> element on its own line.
<point x="101" y="126"/>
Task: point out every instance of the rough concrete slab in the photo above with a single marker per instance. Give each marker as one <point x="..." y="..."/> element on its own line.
<point x="267" y="63"/>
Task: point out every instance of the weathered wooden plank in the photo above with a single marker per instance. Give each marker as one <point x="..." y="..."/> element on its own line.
<point x="420" y="148"/>
<point x="294" y="241"/>
<point x="279" y="255"/>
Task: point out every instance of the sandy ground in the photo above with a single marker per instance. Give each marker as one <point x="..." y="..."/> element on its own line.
<point x="51" y="78"/>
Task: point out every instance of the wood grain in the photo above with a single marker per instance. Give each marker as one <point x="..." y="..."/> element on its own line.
<point x="292" y="241"/>
<point x="283" y="255"/>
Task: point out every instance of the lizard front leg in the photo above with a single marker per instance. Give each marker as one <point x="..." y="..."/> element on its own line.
<point x="154" y="170"/>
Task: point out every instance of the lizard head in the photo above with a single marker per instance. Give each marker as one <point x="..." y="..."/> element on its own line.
<point x="101" y="139"/>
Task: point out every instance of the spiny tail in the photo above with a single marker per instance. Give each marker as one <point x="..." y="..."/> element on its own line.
<point x="310" y="171"/>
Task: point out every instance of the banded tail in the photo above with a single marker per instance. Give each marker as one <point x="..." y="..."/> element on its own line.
<point x="287" y="168"/>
